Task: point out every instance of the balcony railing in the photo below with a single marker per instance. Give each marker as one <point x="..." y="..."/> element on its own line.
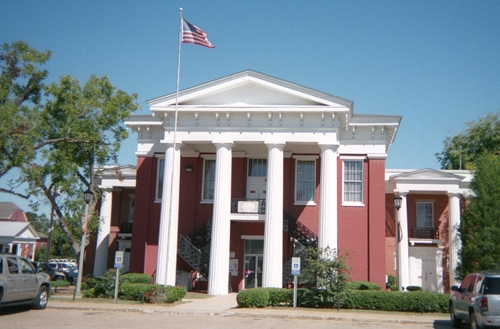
<point x="248" y="206"/>
<point x="425" y="233"/>
<point x="126" y="227"/>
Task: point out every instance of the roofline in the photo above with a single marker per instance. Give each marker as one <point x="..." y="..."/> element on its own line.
<point x="257" y="75"/>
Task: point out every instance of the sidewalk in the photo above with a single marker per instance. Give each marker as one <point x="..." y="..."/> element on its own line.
<point x="226" y="305"/>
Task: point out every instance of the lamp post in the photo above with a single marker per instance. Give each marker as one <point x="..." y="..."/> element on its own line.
<point x="397" y="229"/>
<point x="87" y="195"/>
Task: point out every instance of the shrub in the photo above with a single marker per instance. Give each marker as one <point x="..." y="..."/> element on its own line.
<point x="398" y="301"/>
<point x="394" y="288"/>
<point x="104" y="286"/>
<point x="279" y="296"/>
<point x="136" y="278"/>
<point x="414" y="288"/>
<point x="134" y="291"/>
<point x="391" y="281"/>
<point x="164" y="294"/>
<point x="362" y="285"/>
<point x="257" y="297"/>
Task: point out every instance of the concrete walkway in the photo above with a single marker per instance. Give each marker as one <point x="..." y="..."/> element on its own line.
<point x="226" y="305"/>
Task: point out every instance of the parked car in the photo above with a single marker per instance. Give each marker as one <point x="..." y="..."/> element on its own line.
<point x="476" y="301"/>
<point x="55" y="275"/>
<point x="69" y="271"/>
<point x="20" y="283"/>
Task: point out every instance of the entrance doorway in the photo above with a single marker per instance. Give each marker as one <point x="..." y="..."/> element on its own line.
<point x="253" y="263"/>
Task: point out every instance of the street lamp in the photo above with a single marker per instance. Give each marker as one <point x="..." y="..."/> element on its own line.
<point x="397" y="201"/>
<point x="87" y="196"/>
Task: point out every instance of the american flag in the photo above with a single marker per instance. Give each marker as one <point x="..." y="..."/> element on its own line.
<point x="192" y="34"/>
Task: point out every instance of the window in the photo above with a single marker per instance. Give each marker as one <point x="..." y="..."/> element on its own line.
<point x="26" y="268"/>
<point x="257" y="167"/>
<point x="12" y="265"/>
<point x="353" y="182"/>
<point x="159" y="180"/>
<point x="424" y="214"/>
<point x="131" y="209"/>
<point x="208" y="180"/>
<point x="305" y="181"/>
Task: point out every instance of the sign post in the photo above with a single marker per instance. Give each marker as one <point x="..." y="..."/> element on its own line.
<point x="118" y="266"/>
<point x="295" y="273"/>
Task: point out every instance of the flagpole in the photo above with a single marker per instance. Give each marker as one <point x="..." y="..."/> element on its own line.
<point x="170" y="219"/>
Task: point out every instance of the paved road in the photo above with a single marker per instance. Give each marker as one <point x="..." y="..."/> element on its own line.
<point x="53" y="318"/>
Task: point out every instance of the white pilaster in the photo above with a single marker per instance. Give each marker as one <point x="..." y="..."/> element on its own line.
<point x="327" y="229"/>
<point x="102" y="243"/>
<point x="455" y="244"/>
<point x="169" y="218"/>
<point x="273" y="229"/>
<point x="403" y="267"/>
<point x="218" y="277"/>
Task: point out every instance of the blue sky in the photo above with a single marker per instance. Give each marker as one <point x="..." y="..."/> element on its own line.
<point x="435" y="63"/>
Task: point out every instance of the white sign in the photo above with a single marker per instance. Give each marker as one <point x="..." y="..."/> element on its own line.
<point x="119" y="259"/>
<point x="295" y="265"/>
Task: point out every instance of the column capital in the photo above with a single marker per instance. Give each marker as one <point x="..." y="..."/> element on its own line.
<point x="325" y="147"/>
<point x="280" y="144"/>
<point x="401" y="193"/>
<point x="452" y="194"/>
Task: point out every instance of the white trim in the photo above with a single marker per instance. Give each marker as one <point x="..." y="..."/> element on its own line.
<point x="353" y="157"/>
<point x="353" y="203"/>
<point x="252" y="237"/>
<point x="305" y="157"/>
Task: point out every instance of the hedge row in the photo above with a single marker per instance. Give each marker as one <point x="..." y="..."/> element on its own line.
<point x="362" y="285"/>
<point x="419" y="301"/>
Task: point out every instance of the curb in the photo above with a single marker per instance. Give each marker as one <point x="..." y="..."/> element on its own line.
<point x="346" y="317"/>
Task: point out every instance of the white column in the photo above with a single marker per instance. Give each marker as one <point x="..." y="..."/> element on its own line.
<point x="272" y="275"/>
<point x="33" y="251"/>
<point x="403" y="267"/>
<point x="218" y="276"/>
<point x="455" y="244"/>
<point x="327" y="229"/>
<point x="102" y="244"/>
<point x="169" y="218"/>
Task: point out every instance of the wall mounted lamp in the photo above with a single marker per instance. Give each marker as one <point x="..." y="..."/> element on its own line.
<point x="188" y="168"/>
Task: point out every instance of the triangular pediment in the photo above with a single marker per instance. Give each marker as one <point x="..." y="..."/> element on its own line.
<point x="428" y="175"/>
<point x="251" y="89"/>
<point x="18" y="231"/>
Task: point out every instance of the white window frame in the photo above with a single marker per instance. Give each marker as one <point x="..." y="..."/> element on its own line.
<point x="362" y="181"/>
<point x="424" y="202"/>
<point x="305" y="202"/>
<point x="203" y="199"/>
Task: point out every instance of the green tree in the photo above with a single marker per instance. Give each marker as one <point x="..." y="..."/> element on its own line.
<point x="327" y="273"/>
<point x="51" y="136"/>
<point x="480" y="225"/>
<point x="478" y="138"/>
<point x="39" y="221"/>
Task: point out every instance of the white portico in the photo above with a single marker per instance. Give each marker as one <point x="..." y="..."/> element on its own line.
<point x="420" y="246"/>
<point x="254" y="116"/>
